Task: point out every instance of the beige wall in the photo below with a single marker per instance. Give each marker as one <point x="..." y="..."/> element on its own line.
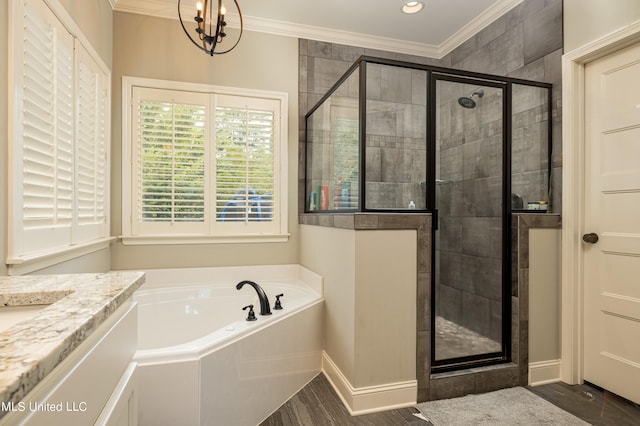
<point x="95" y="20"/>
<point x="98" y="261"/>
<point x="4" y="139"/>
<point x="385" y="327"/>
<point x="588" y="20"/>
<point x="370" y="291"/>
<point x="158" y="48"/>
<point x="544" y="294"/>
<point x="331" y="252"/>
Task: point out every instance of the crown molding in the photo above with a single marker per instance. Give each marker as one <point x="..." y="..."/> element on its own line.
<point x="163" y="9"/>
<point x="337" y="36"/>
<point x="476" y="25"/>
<point x="158" y="9"/>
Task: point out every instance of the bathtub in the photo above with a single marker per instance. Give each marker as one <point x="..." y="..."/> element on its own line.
<point x="201" y="363"/>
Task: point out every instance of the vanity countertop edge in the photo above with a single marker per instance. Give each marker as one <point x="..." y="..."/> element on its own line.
<point x="78" y="305"/>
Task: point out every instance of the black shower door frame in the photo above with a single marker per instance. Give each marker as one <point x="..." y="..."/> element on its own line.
<point x="434" y="74"/>
<point x="432" y="126"/>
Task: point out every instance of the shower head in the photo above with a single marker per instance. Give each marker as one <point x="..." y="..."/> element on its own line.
<point x="468" y="102"/>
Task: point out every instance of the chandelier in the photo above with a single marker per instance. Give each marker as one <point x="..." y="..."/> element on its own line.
<point x="210" y="26"/>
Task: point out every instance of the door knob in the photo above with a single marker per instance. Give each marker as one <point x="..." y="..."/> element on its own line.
<point x="590" y="238"/>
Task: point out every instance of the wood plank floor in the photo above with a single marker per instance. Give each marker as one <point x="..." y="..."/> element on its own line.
<point x="317" y="404"/>
<point x="591" y="404"/>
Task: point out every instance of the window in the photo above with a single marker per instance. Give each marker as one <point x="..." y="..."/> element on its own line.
<point x="205" y="163"/>
<point x="60" y="126"/>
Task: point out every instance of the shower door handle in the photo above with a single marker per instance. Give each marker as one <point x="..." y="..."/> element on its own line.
<point x="590" y="238"/>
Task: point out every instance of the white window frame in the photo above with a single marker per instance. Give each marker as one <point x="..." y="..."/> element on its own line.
<point x="136" y="233"/>
<point x="30" y="248"/>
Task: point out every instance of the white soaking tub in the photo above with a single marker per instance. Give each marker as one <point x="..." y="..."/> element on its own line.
<point x="201" y="363"/>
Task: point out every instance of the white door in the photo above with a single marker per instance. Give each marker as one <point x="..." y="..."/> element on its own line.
<point x="612" y="212"/>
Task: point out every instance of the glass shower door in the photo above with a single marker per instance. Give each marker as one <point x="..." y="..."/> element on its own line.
<point x="469" y="239"/>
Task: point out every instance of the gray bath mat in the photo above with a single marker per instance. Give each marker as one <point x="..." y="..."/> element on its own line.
<point x="513" y="406"/>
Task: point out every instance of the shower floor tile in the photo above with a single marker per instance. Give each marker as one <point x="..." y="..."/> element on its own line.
<point x="454" y="340"/>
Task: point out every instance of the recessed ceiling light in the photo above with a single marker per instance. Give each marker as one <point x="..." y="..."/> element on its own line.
<point x="412" y="7"/>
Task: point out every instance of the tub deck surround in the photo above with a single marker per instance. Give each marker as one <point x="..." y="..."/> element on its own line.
<point x="78" y="305"/>
<point x="194" y="335"/>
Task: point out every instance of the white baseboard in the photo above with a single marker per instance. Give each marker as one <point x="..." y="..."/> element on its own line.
<point x="544" y="372"/>
<point x="369" y="399"/>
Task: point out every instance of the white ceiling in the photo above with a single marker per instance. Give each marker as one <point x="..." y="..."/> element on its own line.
<point x="438" y="28"/>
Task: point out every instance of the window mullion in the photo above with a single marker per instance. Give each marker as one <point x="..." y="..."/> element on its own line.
<point x="210" y="147"/>
<point x="246" y="164"/>
<point x="173" y="163"/>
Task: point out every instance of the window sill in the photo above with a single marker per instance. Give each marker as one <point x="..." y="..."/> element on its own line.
<point x="196" y="239"/>
<point x="33" y="262"/>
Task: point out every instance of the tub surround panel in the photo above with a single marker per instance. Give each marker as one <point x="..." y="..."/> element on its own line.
<point x="261" y="372"/>
<point x="184" y="323"/>
<point x="158" y="278"/>
<point x="228" y="363"/>
<point x="79" y="304"/>
<point x="151" y="403"/>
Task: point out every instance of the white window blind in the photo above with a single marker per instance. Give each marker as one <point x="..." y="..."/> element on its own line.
<point x="170" y="161"/>
<point x="60" y="134"/>
<point x="47" y="130"/>
<point x="91" y="155"/>
<point x="244" y="162"/>
<point x="172" y="177"/>
<point x="203" y="164"/>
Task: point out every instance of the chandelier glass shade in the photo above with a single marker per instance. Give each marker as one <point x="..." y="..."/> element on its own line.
<point x="210" y="26"/>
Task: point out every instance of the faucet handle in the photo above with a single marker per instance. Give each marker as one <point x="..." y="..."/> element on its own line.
<point x="278" y="305"/>
<point x="252" y="315"/>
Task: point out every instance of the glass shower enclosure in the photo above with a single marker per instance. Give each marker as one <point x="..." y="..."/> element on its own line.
<point x="470" y="149"/>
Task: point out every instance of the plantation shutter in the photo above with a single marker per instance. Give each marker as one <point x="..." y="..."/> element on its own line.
<point x="59" y="130"/>
<point x="245" y="159"/>
<point x="46" y="117"/>
<point x="170" y="161"/>
<point x="204" y="166"/>
<point x="91" y="155"/>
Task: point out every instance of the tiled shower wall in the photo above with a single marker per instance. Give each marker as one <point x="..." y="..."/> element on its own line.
<point x="524" y="43"/>
<point x="396" y="131"/>
<point x="530" y="153"/>
<point x="321" y="65"/>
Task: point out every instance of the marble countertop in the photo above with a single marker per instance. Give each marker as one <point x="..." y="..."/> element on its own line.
<point x="78" y="304"/>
